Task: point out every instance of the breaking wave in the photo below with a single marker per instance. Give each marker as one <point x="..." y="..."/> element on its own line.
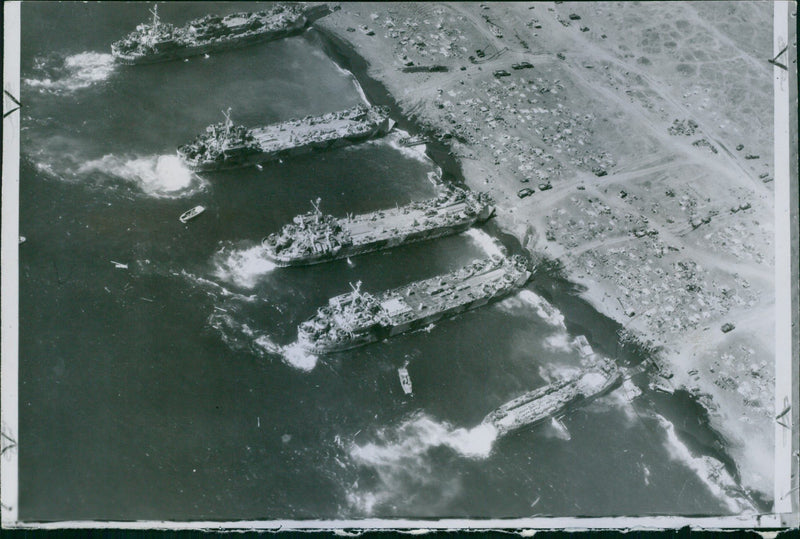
<point x="400" y="458"/>
<point x="710" y="471"/>
<point x="488" y="244"/>
<point x="156" y="175"/>
<point x="348" y="74"/>
<point x="76" y="72"/>
<point x="242" y="267"/>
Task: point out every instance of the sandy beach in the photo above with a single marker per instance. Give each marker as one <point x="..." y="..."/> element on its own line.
<point x="643" y="133"/>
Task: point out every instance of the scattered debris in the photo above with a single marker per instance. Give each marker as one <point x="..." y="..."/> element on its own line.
<point x="703" y="143"/>
<point x="683" y="127"/>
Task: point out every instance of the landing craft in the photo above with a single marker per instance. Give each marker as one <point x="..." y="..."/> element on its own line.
<point x="159" y="42"/>
<point x="358" y="318"/>
<point x="557" y="398"/>
<point x="313" y="237"/>
<point x="225" y="145"/>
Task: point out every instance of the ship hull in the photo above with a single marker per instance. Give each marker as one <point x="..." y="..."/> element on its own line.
<point x="222" y="44"/>
<point x="285" y="153"/>
<point x="376" y="245"/>
<point x="561" y="410"/>
<point x="380" y="333"/>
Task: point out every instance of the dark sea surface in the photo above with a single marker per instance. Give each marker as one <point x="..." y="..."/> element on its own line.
<point x="163" y="391"/>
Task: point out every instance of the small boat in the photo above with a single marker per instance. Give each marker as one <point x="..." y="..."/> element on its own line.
<point x="22" y="239"/>
<point x="119" y="265"/>
<point x="191" y="214"/>
<point x="405" y="380"/>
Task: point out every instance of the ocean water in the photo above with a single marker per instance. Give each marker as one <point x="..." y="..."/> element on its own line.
<point x="170" y="389"/>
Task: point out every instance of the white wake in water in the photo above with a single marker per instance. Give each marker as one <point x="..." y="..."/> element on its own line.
<point x="417" y="153"/>
<point x="77" y="72"/>
<point x="218" y="287"/>
<point x="242" y="267"/>
<point x="156" y="175"/>
<point x="239" y="336"/>
<point x="488" y="244"/>
<point x="710" y="471"/>
<point x="400" y="458"/>
<point x="299" y="358"/>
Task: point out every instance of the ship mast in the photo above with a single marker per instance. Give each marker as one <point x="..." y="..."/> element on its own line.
<point x="356" y="289"/>
<point x="228" y="126"/>
<point x="317" y="211"/>
<point x="154" y="11"/>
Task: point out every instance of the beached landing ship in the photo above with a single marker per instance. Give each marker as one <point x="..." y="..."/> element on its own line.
<point x="358" y="318"/>
<point x="313" y="238"/>
<point x="159" y="41"/>
<point x="600" y="377"/>
<point x="225" y="145"/>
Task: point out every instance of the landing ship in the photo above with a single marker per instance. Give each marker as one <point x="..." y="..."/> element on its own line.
<point x="551" y="401"/>
<point x="313" y="238"/>
<point x="358" y="318"/>
<point x="226" y="145"/>
<point x="160" y="42"/>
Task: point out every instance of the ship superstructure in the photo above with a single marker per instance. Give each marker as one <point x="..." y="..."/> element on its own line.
<point x="598" y="377"/>
<point x="313" y="238"/>
<point x="158" y="41"/>
<point x="357" y="318"/>
<point x="237" y="146"/>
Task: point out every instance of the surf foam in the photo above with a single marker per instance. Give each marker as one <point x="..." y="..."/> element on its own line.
<point x="400" y="459"/>
<point x="223" y="291"/>
<point x="243" y="267"/>
<point x="544" y="309"/>
<point x="710" y="471"/>
<point x="417" y="153"/>
<point x="296" y="356"/>
<point x="488" y="244"/>
<point x="156" y="175"/>
<point x="77" y="71"/>
<point x="558" y="341"/>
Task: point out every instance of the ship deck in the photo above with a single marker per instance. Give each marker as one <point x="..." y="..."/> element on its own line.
<point x="388" y="224"/>
<point x="426" y="297"/>
<point x="288" y="135"/>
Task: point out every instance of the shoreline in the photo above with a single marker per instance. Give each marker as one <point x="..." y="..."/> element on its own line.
<point x="417" y="107"/>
